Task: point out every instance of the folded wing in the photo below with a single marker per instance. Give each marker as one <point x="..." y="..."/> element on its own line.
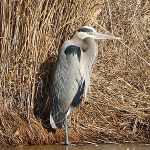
<point x="68" y="84"/>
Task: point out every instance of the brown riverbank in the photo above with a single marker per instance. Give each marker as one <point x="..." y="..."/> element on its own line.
<point x="117" y="108"/>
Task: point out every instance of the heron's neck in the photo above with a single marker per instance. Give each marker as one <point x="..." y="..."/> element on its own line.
<point x="89" y="44"/>
<point x="76" y="37"/>
<point x="77" y="40"/>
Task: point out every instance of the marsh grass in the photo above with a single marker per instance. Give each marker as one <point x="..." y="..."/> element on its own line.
<point x="117" y="108"/>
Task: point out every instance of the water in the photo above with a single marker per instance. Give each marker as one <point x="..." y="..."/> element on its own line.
<point x="84" y="147"/>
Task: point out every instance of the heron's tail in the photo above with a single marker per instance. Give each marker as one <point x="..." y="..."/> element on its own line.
<point x="57" y="118"/>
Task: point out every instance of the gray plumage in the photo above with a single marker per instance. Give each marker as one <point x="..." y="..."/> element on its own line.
<point x="71" y="78"/>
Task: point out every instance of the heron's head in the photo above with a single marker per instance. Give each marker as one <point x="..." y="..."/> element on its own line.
<point x="90" y="32"/>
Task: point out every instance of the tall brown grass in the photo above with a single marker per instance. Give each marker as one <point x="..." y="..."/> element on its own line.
<point x="118" y="107"/>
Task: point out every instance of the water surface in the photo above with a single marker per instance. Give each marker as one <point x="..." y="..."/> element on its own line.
<point x="84" y="147"/>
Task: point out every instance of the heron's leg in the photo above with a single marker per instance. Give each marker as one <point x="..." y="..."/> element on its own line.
<point x="66" y="131"/>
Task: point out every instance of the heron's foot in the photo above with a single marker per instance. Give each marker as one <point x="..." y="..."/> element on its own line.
<point x="67" y="143"/>
<point x="70" y="144"/>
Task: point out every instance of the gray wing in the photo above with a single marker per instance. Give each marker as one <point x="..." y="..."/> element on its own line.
<point x="67" y="83"/>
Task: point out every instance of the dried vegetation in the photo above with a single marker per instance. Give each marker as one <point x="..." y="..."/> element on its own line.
<point x="117" y="108"/>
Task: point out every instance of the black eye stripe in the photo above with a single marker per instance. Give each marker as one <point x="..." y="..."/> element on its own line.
<point x="84" y="30"/>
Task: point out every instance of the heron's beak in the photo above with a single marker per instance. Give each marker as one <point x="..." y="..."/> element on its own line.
<point x="97" y="35"/>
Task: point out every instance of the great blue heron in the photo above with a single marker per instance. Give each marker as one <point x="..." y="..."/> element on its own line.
<point x="71" y="78"/>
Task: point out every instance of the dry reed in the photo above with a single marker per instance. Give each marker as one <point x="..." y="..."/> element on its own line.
<point x="117" y="108"/>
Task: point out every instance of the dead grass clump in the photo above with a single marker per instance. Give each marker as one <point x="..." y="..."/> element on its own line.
<point x="118" y="106"/>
